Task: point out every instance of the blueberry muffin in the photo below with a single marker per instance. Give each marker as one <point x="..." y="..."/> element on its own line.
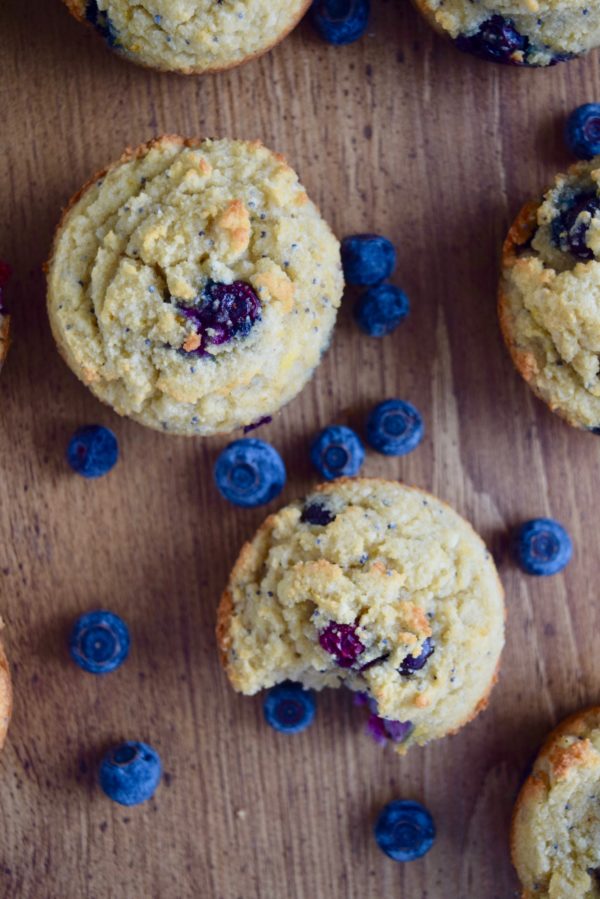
<point x="190" y="36"/>
<point x="549" y="299"/>
<point x="193" y="286"/>
<point x="375" y="586"/>
<point x="556" y="824"/>
<point x="517" y="32"/>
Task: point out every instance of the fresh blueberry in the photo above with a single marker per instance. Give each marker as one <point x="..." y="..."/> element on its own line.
<point x="542" y="546"/>
<point x="381" y="309"/>
<point x="341" y="21"/>
<point x="404" y="830"/>
<point x="367" y="259"/>
<point x="414" y="663"/>
<point x="93" y="450"/>
<point x="496" y="40"/>
<point x="130" y="773"/>
<point x="582" y="131"/>
<point x="99" y="642"/>
<point x="342" y="642"/>
<point x="337" y="452"/>
<point x="224" y="311"/>
<point x="249" y="473"/>
<point x="289" y="708"/>
<point x="317" y="513"/>
<point x="394" y="428"/>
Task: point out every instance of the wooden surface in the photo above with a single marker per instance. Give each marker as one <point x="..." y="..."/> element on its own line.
<point x="399" y="134"/>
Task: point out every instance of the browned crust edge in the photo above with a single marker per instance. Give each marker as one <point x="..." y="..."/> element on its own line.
<point x="6" y="695"/>
<point x="74" y="7"/>
<point x="524" y="360"/>
<point x="4" y="337"/>
<point x="576" y="724"/>
<point x="225" y="607"/>
<point x="429" y="15"/>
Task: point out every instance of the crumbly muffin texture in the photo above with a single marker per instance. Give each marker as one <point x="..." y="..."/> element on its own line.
<point x="550" y="295"/>
<point x="145" y="259"/>
<point x="190" y="35"/>
<point x="556" y="825"/>
<point x="390" y="573"/>
<point x="551" y="29"/>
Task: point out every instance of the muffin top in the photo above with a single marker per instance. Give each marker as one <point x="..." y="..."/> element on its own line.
<point x="375" y="586"/>
<point x="190" y="35"/>
<point x="530" y="32"/>
<point x="193" y="285"/>
<point x="550" y="295"/>
<point x="6" y="694"/>
<point x="556" y="825"/>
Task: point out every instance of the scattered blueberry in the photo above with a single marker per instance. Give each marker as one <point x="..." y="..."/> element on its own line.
<point x="569" y="231"/>
<point x="341" y="641"/>
<point x="497" y="41"/>
<point x="367" y="259"/>
<point x="542" y="546"/>
<point x="337" y="452"/>
<point x="93" y="450"/>
<point x="582" y="131"/>
<point x="404" y="830"/>
<point x="130" y="773"/>
<point x="99" y="642"/>
<point x="224" y="311"/>
<point x="249" y="473"/>
<point x="5" y="276"/>
<point x="341" y="21"/>
<point x="414" y="663"/>
<point x="381" y="309"/>
<point x="289" y="708"/>
<point x="317" y="513"/>
<point x="394" y="428"/>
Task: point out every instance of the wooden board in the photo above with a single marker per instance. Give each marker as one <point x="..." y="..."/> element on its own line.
<point x="399" y="134"/>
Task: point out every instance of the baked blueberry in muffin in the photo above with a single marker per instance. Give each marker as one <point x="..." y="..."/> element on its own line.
<point x="517" y="32"/>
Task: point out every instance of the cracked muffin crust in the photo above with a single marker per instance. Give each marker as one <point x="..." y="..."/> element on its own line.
<point x="375" y="586"/>
<point x="193" y="286"/>
<point x="190" y="36"/>
<point x="549" y="298"/>
<point x="555" y="835"/>
<point x="517" y="32"/>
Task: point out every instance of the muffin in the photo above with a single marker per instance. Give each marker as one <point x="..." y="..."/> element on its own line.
<point x="555" y="834"/>
<point x="517" y="32"/>
<point x="190" y="36"/>
<point x="193" y="286"/>
<point x="375" y="586"/>
<point x="549" y="299"/>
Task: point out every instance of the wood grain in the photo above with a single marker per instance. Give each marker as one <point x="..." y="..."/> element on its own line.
<point x="399" y="134"/>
